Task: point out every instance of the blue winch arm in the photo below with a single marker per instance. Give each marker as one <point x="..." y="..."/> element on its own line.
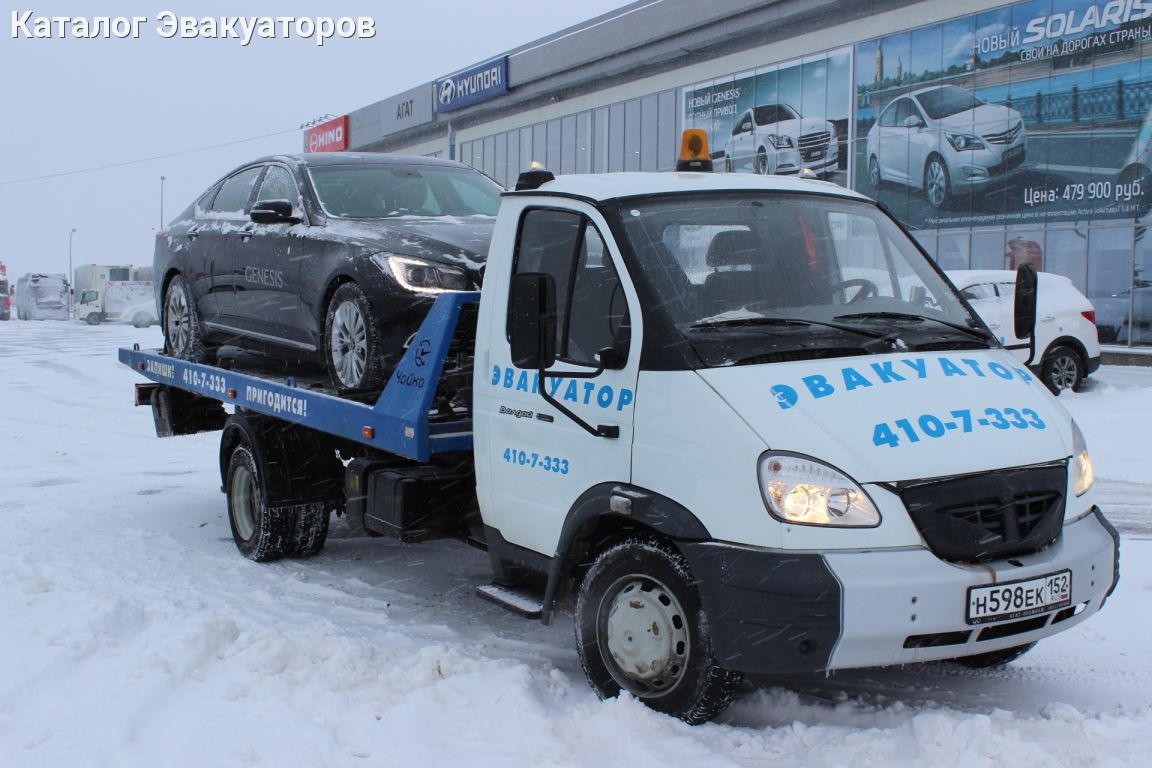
<point x="398" y="422"/>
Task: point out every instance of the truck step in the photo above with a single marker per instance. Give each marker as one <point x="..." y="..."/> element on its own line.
<point x="521" y="603"/>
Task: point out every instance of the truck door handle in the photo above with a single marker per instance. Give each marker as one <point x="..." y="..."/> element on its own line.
<point x="1048" y="318"/>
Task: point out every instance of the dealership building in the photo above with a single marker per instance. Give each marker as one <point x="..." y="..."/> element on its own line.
<point x="998" y="133"/>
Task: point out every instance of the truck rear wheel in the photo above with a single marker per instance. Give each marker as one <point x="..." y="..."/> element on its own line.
<point x="261" y="532"/>
<point x="640" y="628"/>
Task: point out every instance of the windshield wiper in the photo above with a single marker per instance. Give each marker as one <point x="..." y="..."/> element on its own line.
<point x="735" y="322"/>
<point x="976" y="332"/>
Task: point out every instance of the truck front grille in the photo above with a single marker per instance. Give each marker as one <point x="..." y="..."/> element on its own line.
<point x="975" y="518"/>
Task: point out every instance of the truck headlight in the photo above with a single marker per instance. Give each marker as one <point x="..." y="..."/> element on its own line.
<point x="804" y="491"/>
<point x="963" y="141"/>
<point x="421" y="276"/>
<point x="1081" y="463"/>
<point x="779" y="141"/>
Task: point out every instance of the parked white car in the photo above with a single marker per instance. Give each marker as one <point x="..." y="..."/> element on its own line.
<point x="944" y="140"/>
<point x="775" y="139"/>
<point x="141" y="314"/>
<point x="1067" y="346"/>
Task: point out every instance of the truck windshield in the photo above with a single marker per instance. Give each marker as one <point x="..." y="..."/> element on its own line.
<point x="747" y="276"/>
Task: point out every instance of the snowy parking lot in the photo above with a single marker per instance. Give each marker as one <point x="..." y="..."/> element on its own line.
<point x="134" y="633"/>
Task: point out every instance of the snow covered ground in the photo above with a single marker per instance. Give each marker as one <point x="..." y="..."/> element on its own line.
<point x="132" y="633"/>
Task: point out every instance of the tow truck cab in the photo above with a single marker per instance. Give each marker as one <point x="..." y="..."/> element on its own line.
<point x="769" y="379"/>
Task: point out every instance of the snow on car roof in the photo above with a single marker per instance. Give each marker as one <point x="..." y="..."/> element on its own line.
<point x="610" y="186"/>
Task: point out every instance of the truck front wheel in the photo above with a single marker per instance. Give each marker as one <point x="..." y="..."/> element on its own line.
<point x="640" y="628"/>
<point x="262" y="533"/>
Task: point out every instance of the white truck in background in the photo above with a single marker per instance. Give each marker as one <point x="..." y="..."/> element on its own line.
<point x="118" y="301"/>
<point x="103" y="291"/>
<point x="42" y="296"/>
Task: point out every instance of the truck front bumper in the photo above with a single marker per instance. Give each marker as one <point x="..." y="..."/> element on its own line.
<point x="776" y="612"/>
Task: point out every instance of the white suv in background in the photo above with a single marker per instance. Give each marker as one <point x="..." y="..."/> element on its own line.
<point x="775" y="139"/>
<point x="943" y="140"/>
<point x="1067" y="346"/>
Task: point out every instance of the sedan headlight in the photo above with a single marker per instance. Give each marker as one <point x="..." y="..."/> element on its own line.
<point x="779" y="141"/>
<point x="963" y="141"/>
<point x="1081" y="463"/>
<point x="803" y="491"/>
<point x="421" y="276"/>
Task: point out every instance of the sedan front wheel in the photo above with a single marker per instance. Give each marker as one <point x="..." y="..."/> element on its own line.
<point x="352" y="341"/>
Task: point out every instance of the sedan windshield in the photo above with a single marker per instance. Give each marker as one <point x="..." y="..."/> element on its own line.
<point x="387" y="191"/>
<point x="745" y="275"/>
<point x="773" y="113"/>
<point x="946" y="101"/>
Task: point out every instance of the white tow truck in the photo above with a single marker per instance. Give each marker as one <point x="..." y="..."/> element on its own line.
<point x="744" y="420"/>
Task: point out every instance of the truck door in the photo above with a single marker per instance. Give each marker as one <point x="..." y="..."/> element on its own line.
<point x="540" y="460"/>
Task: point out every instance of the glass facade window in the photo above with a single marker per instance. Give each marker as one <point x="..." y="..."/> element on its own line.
<point x="992" y="156"/>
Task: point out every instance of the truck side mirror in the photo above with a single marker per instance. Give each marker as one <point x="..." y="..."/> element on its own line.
<point x="1024" y="311"/>
<point x="272" y="212"/>
<point x="532" y="320"/>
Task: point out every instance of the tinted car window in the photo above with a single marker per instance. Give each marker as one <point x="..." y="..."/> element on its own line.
<point x="235" y="191"/>
<point x="774" y="113"/>
<point x="888" y="116"/>
<point x="382" y="191"/>
<point x="947" y="100"/>
<point x="278" y="185"/>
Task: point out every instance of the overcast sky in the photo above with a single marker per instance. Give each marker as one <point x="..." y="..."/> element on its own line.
<point x="74" y="104"/>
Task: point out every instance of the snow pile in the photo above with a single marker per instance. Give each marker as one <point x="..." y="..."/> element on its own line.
<point x="134" y="634"/>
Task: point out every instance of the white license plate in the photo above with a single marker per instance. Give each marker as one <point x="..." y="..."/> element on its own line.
<point x="1017" y="599"/>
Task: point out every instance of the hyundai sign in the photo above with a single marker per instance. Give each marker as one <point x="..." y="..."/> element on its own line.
<point x="331" y="136"/>
<point x="479" y="83"/>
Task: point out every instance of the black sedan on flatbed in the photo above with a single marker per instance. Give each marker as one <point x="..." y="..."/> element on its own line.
<point x="330" y="258"/>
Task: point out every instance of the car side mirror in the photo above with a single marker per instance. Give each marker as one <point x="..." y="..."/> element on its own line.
<point x="611" y="359"/>
<point x="1024" y="311"/>
<point x="532" y="320"/>
<point x="272" y="212"/>
<point x="912" y="121"/>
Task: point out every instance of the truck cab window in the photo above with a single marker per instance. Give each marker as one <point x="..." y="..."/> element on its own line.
<point x="591" y="309"/>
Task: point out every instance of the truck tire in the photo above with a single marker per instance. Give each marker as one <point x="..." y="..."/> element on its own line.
<point x="183" y="336"/>
<point x="309" y="528"/>
<point x="93" y="318"/>
<point x="261" y="532"/>
<point x="352" y="342"/>
<point x="1063" y="369"/>
<point x="640" y="627"/>
<point x="994" y="658"/>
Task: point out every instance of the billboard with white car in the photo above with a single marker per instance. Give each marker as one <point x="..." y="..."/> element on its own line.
<point x="784" y="119"/>
<point x="1026" y="113"/>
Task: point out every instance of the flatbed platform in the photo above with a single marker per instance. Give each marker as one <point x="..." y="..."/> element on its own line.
<point x="398" y="422"/>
